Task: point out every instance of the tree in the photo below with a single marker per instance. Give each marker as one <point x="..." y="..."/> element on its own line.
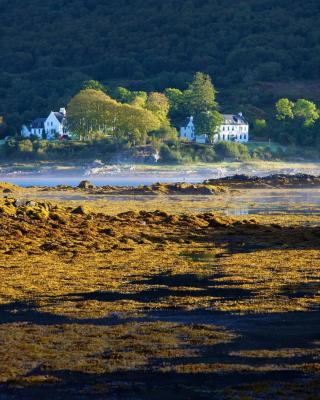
<point x="138" y="101"/>
<point x="306" y="110"/>
<point x="91" y="111"/>
<point x="122" y="94"/>
<point x="284" y="109"/>
<point x="132" y="119"/>
<point x="95" y="85"/>
<point x="207" y="123"/>
<point x="259" y="125"/>
<point x="178" y="104"/>
<point x="166" y="133"/>
<point x="202" y="94"/>
<point x="3" y="128"/>
<point x="158" y="103"/>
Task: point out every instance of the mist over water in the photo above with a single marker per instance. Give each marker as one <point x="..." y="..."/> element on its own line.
<point x="133" y="175"/>
<point x="253" y="201"/>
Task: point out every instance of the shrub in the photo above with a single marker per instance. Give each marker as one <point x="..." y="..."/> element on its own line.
<point x="169" y="155"/>
<point x="25" y="146"/>
<point x="231" y="150"/>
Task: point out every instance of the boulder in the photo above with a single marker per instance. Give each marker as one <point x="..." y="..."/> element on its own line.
<point x="86" y="185"/>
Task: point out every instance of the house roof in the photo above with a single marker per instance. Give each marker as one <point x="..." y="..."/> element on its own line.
<point x="59" y="116"/>
<point x="234" y="119"/>
<point x="187" y="121"/>
<point x="37" y="123"/>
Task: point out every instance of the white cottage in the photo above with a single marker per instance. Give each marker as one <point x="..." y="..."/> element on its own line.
<point x="51" y="127"/>
<point x="234" y="128"/>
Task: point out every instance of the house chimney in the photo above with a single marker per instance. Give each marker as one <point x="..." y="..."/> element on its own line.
<point x="63" y="111"/>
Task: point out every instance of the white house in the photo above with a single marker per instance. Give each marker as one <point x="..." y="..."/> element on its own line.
<point x="51" y="127"/>
<point x="188" y="131"/>
<point x="234" y="128"/>
<point x="35" y="128"/>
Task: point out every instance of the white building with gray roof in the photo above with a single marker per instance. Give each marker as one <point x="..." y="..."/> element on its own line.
<point x="234" y="128"/>
<point x="52" y="127"/>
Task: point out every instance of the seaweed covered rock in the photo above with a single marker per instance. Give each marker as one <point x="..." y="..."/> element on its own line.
<point x="7" y="206"/>
<point x="275" y="180"/>
<point x="81" y="210"/>
<point x="38" y="211"/>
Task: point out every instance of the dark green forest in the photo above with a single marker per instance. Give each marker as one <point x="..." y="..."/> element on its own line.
<point x="49" y="48"/>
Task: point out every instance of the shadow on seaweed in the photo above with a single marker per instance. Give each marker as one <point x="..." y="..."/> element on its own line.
<point x="144" y="385"/>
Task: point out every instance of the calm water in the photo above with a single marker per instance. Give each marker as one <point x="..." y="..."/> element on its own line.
<point x="304" y="201"/>
<point x="43" y="180"/>
<point x="245" y="202"/>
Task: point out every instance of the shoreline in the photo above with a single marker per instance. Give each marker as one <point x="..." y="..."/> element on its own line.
<point x="69" y="173"/>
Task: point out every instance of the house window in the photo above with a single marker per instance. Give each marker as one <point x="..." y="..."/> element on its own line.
<point x="240" y="137"/>
<point x="223" y="136"/>
<point x="245" y="137"/>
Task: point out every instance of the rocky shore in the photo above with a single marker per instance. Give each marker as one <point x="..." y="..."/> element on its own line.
<point x="270" y="181"/>
<point x="207" y="188"/>
<point x="156" y="302"/>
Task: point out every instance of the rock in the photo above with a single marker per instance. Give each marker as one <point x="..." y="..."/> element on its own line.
<point x="23" y="202"/>
<point x="128" y="214"/>
<point x="30" y="203"/>
<point x="49" y="246"/>
<point x="86" y="185"/>
<point x="218" y="222"/>
<point x="107" y="231"/>
<point x="7" y="190"/>
<point x="275" y="180"/>
<point x="37" y="212"/>
<point x="58" y="218"/>
<point x="80" y="210"/>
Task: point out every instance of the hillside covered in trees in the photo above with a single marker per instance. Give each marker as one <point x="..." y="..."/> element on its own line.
<point x="48" y="49"/>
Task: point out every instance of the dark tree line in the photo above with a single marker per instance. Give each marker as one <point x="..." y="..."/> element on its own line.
<point x="49" y="48"/>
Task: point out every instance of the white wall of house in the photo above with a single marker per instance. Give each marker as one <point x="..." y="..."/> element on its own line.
<point x="188" y="132"/>
<point x="37" y="132"/>
<point x="53" y="126"/>
<point x="234" y="133"/>
<point x="202" y="139"/>
<point x="25" y="132"/>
